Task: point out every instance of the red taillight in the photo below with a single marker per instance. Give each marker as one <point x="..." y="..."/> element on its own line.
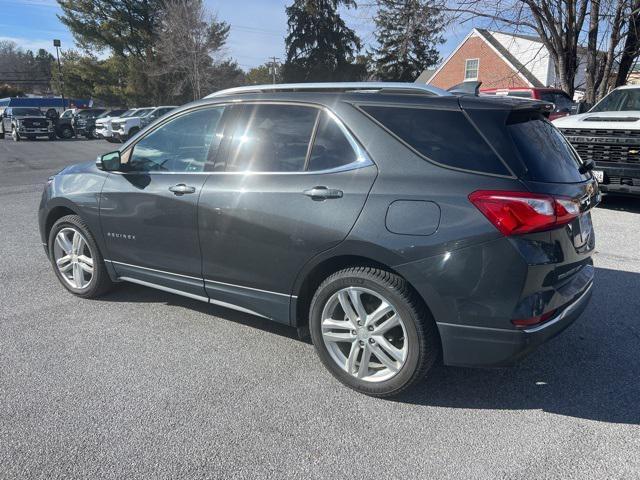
<point x="528" y="322"/>
<point x="516" y="213"/>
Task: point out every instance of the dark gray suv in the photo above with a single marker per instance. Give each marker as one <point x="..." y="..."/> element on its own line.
<point x="398" y="223"/>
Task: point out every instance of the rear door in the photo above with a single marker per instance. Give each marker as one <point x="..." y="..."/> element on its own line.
<point x="291" y="185"/>
<point x="148" y="211"/>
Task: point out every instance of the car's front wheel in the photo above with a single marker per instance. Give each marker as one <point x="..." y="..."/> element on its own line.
<point x="76" y="259"/>
<point x="372" y="332"/>
<point x="14" y="134"/>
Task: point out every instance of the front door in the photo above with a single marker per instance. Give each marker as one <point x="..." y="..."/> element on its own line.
<point x="277" y="201"/>
<point x="148" y="210"/>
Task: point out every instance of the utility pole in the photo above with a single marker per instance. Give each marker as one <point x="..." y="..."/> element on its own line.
<point x="273" y="68"/>
<point x="56" y="43"/>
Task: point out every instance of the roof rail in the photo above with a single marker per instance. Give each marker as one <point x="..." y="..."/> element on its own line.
<point x="381" y="87"/>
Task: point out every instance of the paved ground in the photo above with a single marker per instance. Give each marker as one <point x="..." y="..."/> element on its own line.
<point x="146" y="384"/>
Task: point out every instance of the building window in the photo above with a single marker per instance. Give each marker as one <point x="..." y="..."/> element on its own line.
<point x="471" y="69"/>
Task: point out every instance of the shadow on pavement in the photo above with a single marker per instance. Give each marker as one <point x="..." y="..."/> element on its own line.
<point x="590" y="371"/>
<point x="620" y="203"/>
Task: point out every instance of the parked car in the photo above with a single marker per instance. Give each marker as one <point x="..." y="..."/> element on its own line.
<point x="90" y="126"/>
<point x="84" y="121"/>
<point x="562" y="101"/>
<point x="609" y="135"/>
<point x="125" y="128"/>
<point x="104" y="124"/>
<point x="64" y="124"/>
<point x="396" y="222"/>
<point x="25" y="122"/>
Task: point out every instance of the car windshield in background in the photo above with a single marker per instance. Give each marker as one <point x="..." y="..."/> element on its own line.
<point x="128" y="113"/>
<point x="144" y="112"/>
<point x="623" y="100"/>
<point x="27" y="112"/>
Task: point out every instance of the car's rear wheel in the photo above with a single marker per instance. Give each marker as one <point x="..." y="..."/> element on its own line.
<point x="372" y="332"/>
<point x="76" y="259"/>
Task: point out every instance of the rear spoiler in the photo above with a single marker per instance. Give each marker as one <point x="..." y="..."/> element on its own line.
<point x="514" y="104"/>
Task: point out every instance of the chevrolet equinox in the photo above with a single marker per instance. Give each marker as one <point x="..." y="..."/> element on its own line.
<point x="398" y="224"/>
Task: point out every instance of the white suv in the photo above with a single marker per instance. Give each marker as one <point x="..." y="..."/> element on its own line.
<point x="124" y="128"/>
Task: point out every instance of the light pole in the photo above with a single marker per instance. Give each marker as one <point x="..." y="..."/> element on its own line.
<point x="56" y="43"/>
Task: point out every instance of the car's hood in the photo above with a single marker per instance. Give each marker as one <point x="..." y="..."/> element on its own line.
<point x="628" y="120"/>
<point x="84" y="167"/>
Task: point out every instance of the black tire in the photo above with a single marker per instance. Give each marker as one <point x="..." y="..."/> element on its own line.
<point x="100" y="282"/>
<point x="423" y="346"/>
<point x="66" y="133"/>
<point x="110" y="139"/>
<point x="132" y="133"/>
<point x="90" y="135"/>
<point x="15" y="135"/>
<point x="1" y="130"/>
<point x="52" y="136"/>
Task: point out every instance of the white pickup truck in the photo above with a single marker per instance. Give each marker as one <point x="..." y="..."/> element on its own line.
<point x="609" y="134"/>
<point x="125" y="128"/>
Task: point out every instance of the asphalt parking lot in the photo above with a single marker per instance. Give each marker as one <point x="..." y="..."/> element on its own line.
<point x="145" y="384"/>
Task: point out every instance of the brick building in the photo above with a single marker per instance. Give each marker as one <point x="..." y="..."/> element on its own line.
<point x="499" y="60"/>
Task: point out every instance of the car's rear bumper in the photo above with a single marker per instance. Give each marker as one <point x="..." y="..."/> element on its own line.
<point x="620" y="178"/>
<point x="465" y="345"/>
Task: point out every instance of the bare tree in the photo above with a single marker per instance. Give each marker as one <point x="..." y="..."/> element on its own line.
<point x="189" y="44"/>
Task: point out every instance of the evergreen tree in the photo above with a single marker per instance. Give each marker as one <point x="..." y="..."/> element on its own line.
<point x="408" y="33"/>
<point x="320" y="47"/>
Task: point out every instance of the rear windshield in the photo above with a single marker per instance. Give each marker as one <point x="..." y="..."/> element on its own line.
<point x="545" y="152"/>
<point x="444" y="136"/>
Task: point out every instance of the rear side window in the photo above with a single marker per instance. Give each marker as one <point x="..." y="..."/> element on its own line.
<point x="444" y="136"/>
<point x="545" y="152"/>
<point x="270" y="138"/>
<point x="331" y="149"/>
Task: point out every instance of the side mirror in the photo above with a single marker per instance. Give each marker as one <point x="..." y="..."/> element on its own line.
<point x="109" y="162"/>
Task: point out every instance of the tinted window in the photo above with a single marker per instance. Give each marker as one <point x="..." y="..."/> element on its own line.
<point x="560" y="100"/>
<point x="331" y="149"/>
<point x="519" y="94"/>
<point x="188" y="143"/>
<point x="545" y="152"/>
<point x="270" y="138"/>
<point x="443" y="136"/>
<point x="23" y="111"/>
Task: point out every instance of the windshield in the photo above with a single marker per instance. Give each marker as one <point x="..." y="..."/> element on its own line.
<point x="88" y="113"/>
<point x="622" y="100"/>
<point x="144" y="112"/>
<point x="27" y="112"/>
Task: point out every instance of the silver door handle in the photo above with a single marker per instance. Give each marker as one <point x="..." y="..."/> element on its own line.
<point x="181" y="189"/>
<point x="322" y="193"/>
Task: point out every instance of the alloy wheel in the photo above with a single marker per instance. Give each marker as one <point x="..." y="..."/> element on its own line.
<point x="364" y="334"/>
<point x="73" y="258"/>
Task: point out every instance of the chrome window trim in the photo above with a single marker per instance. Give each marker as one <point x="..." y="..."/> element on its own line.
<point x="363" y="158"/>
